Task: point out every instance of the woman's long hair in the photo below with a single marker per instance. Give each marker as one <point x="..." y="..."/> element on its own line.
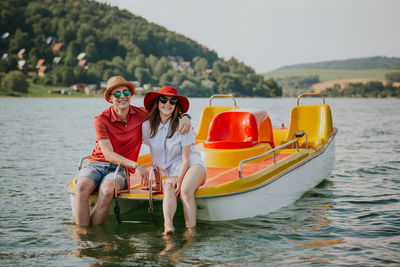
<point x="155" y="119"/>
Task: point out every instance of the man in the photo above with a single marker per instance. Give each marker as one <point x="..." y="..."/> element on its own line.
<point x="118" y="141"/>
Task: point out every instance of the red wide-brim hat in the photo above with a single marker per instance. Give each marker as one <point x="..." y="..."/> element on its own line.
<point x="150" y="97"/>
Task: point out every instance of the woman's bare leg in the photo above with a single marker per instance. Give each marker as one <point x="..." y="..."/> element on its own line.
<point x="169" y="205"/>
<point x="194" y="178"/>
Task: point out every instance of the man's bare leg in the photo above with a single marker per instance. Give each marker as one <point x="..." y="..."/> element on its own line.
<point x="100" y="211"/>
<point x="83" y="189"/>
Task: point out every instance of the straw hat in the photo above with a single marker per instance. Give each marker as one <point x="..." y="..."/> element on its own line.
<point x="115" y="82"/>
<point x="150" y="97"/>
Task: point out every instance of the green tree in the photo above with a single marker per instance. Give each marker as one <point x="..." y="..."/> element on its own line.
<point x="63" y="75"/>
<point x="188" y="88"/>
<point x="72" y="52"/>
<point x="151" y="62"/>
<point x="200" y="64"/>
<point x="84" y="32"/>
<point x="17" y="41"/>
<point x="208" y="88"/>
<point x="137" y="62"/>
<point x="10" y="64"/>
<point x="162" y="66"/>
<point x="15" y="81"/>
<point x="276" y="89"/>
<point x="167" y="78"/>
<point x="393" y="77"/>
<point x="80" y="74"/>
<point x="229" y="84"/>
<point x="219" y="67"/>
<point x="143" y="75"/>
<point x="91" y="52"/>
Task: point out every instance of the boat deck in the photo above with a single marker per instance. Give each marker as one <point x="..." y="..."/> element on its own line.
<point x="215" y="176"/>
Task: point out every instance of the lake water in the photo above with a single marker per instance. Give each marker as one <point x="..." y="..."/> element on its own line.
<point x="352" y="218"/>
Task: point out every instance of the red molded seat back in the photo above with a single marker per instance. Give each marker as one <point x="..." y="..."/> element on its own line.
<point x="232" y="130"/>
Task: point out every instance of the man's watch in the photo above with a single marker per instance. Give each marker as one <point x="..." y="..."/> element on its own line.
<point x="187" y="115"/>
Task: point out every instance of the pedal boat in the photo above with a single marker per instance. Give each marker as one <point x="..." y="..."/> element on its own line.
<point x="252" y="168"/>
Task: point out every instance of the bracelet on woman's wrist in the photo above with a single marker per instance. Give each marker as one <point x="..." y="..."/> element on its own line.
<point x="187" y="115"/>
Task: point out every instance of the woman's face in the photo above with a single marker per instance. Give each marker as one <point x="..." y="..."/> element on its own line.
<point x="166" y="108"/>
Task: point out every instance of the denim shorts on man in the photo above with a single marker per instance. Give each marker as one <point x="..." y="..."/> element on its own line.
<point x="99" y="171"/>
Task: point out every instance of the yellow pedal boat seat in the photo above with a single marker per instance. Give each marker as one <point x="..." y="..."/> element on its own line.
<point x="314" y="120"/>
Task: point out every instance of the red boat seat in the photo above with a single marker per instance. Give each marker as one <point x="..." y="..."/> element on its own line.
<point x="239" y="129"/>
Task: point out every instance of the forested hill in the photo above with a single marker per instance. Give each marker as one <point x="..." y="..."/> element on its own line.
<point x="356" y="64"/>
<point x="63" y="42"/>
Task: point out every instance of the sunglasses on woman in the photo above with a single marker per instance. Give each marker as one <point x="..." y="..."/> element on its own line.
<point x="118" y="93"/>
<point x="172" y="101"/>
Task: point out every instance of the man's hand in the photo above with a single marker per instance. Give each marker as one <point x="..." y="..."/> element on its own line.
<point x="184" y="125"/>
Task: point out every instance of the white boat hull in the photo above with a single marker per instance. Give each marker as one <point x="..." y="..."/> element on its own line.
<point x="280" y="192"/>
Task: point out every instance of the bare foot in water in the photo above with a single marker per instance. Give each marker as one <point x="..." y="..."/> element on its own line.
<point x="168" y="230"/>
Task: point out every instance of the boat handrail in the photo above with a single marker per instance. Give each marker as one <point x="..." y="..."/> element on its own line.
<point x="117" y="211"/>
<point x="227" y="95"/>
<point x="266" y="153"/>
<point x="310" y="94"/>
<point x="81" y="162"/>
<point x="156" y="171"/>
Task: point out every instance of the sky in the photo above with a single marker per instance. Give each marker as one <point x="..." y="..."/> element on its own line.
<point x="268" y="34"/>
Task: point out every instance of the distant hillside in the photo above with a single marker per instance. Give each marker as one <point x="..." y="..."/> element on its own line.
<point x="350" y="64"/>
<point x="331" y="74"/>
<point x="301" y="78"/>
<point x="64" y="42"/>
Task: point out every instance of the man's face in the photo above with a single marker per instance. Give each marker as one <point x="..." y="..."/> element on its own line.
<point x="121" y="96"/>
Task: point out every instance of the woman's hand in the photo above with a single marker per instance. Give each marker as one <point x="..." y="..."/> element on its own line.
<point x="144" y="175"/>
<point x="177" y="186"/>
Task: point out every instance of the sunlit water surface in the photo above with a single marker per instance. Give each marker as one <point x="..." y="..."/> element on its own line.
<point x="352" y="218"/>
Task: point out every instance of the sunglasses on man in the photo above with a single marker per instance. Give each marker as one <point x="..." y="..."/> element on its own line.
<point x="118" y="93"/>
<point x="172" y="101"/>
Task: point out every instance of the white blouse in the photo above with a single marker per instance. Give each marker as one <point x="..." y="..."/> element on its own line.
<point x="166" y="152"/>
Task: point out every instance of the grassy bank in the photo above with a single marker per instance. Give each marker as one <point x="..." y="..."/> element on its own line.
<point x="40" y="90"/>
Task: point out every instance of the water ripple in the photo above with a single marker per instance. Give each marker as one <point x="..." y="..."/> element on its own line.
<point x="352" y="218"/>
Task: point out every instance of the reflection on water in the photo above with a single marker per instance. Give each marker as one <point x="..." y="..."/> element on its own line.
<point x="313" y="231"/>
<point x="352" y="218"/>
<point x="321" y="239"/>
<point x="173" y="249"/>
<point x="110" y="243"/>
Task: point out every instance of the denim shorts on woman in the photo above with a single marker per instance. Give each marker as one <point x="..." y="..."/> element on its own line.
<point x="98" y="172"/>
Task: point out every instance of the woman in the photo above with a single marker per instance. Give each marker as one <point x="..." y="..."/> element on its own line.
<point x="173" y="153"/>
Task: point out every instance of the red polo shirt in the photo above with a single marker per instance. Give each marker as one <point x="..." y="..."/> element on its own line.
<point x="125" y="137"/>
